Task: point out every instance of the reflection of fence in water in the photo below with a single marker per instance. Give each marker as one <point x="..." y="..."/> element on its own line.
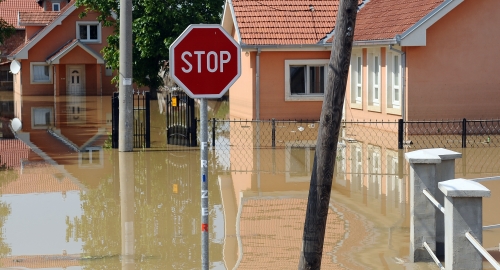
<point x="234" y="142"/>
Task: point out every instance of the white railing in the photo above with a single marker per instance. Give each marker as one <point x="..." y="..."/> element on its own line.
<point x="432" y="176"/>
<point x="433" y="200"/>
<point x="481" y="250"/>
<point x="433" y="256"/>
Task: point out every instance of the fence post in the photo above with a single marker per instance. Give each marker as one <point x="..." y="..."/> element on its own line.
<point x="213" y="132"/>
<point x="400" y="133"/>
<point x="428" y="167"/>
<point x="273" y="133"/>
<point x="148" y="119"/>
<point x="464" y="133"/>
<point x="463" y="213"/>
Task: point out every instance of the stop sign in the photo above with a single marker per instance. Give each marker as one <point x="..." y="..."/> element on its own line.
<point x="205" y="61"/>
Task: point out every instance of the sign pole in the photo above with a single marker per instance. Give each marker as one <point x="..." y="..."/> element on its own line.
<point x="204" y="184"/>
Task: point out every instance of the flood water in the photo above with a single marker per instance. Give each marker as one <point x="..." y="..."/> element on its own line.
<point x="101" y="209"/>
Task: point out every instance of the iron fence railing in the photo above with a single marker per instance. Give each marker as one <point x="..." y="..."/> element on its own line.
<point x="452" y="133"/>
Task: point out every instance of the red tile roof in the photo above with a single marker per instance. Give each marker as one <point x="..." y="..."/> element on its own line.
<point x="18" y="49"/>
<point x="41" y="261"/>
<point x="284" y="22"/>
<point x="9" y="9"/>
<point x="37" y="18"/>
<point x="384" y="19"/>
<point x="269" y="239"/>
<point x="12" y="151"/>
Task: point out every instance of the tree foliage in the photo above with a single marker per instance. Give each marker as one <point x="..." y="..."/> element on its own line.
<point x="6" y="30"/>
<point x="156" y="24"/>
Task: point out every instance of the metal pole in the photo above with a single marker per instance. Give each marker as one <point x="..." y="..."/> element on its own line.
<point x="204" y="184"/>
<point x="125" y="125"/>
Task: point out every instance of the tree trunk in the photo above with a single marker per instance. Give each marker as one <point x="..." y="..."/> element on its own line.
<point x="328" y="135"/>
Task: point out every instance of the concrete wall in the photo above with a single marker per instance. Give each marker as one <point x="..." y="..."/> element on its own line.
<point x="456" y="74"/>
<point x="242" y="92"/>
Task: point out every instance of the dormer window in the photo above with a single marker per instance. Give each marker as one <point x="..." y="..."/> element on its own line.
<point x="56" y="6"/>
<point x="88" y="32"/>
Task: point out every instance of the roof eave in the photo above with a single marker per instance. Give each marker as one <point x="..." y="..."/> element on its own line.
<point x="55" y="59"/>
<point x="23" y="53"/>
<point x="229" y="20"/>
<point x="287" y="47"/>
<point x="391" y="41"/>
<point x="416" y="35"/>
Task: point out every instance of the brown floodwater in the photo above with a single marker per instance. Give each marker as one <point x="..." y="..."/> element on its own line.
<point x="101" y="209"/>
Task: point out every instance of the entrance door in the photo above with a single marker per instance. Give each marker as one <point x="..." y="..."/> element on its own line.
<point x="75" y="82"/>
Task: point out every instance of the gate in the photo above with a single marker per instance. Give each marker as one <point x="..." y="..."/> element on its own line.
<point x="181" y="122"/>
<point x="142" y="112"/>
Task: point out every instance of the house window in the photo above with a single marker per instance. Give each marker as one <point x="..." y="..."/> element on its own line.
<point x="41" y="117"/>
<point x="357" y="80"/>
<point x="375" y="171"/>
<point x="41" y="73"/>
<point x="299" y="162"/>
<point x="56" y="6"/>
<point x="91" y="157"/>
<point x="357" y="167"/>
<point x="394" y="83"/>
<point x="88" y="31"/>
<point x="374" y="79"/>
<point x="305" y="79"/>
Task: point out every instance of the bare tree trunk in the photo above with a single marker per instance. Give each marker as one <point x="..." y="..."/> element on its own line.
<point x="328" y="136"/>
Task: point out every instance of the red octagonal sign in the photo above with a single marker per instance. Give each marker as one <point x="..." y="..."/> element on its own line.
<point x="205" y="61"/>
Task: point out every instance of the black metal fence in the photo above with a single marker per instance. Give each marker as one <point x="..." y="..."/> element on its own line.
<point x="142" y="116"/>
<point x="450" y="133"/>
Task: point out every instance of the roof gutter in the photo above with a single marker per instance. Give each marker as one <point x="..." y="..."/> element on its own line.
<point x="277" y="46"/>
<point x="391" y="41"/>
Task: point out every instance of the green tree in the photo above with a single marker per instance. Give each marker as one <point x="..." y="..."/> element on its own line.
<point x="6" y="30"/>
<point x="156" y="24"/>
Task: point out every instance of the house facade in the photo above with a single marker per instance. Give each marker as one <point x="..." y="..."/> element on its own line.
<point x="61" y="53"/>
<point x="429" y="59"/>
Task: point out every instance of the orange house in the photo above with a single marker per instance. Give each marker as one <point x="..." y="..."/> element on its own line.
<point x="61" y="53"/>
<point x="428" y="59"/>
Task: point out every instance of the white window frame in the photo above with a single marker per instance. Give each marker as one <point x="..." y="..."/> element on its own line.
<point x="58" y="5"/>
<point x="356" y="73"/>
<point x="91" y="152"/>
<point x="308" y="63"/>
<point x="309" y="148"/>
<point x="35" y="110"/>
<point x="396" y="64"/>
<point x="88" y="23"/>
<point x="375" y="79"/>
<point x="32" y="73"/>
<point x="359" y="79"/>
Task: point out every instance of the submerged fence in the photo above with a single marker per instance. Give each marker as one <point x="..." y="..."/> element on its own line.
<point x="392" y="134"/>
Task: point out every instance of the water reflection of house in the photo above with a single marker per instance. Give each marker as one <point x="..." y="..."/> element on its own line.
<point x="40" y="262"/>
<point x="68" y="132"/>
<point x="265" y="199"/>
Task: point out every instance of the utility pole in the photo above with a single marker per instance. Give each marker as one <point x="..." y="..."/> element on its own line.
<point x="328" y="136"/>
<point x="125" y="99"/>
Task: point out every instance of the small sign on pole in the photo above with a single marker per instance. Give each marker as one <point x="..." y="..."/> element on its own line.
<point x="205" y="61"/>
